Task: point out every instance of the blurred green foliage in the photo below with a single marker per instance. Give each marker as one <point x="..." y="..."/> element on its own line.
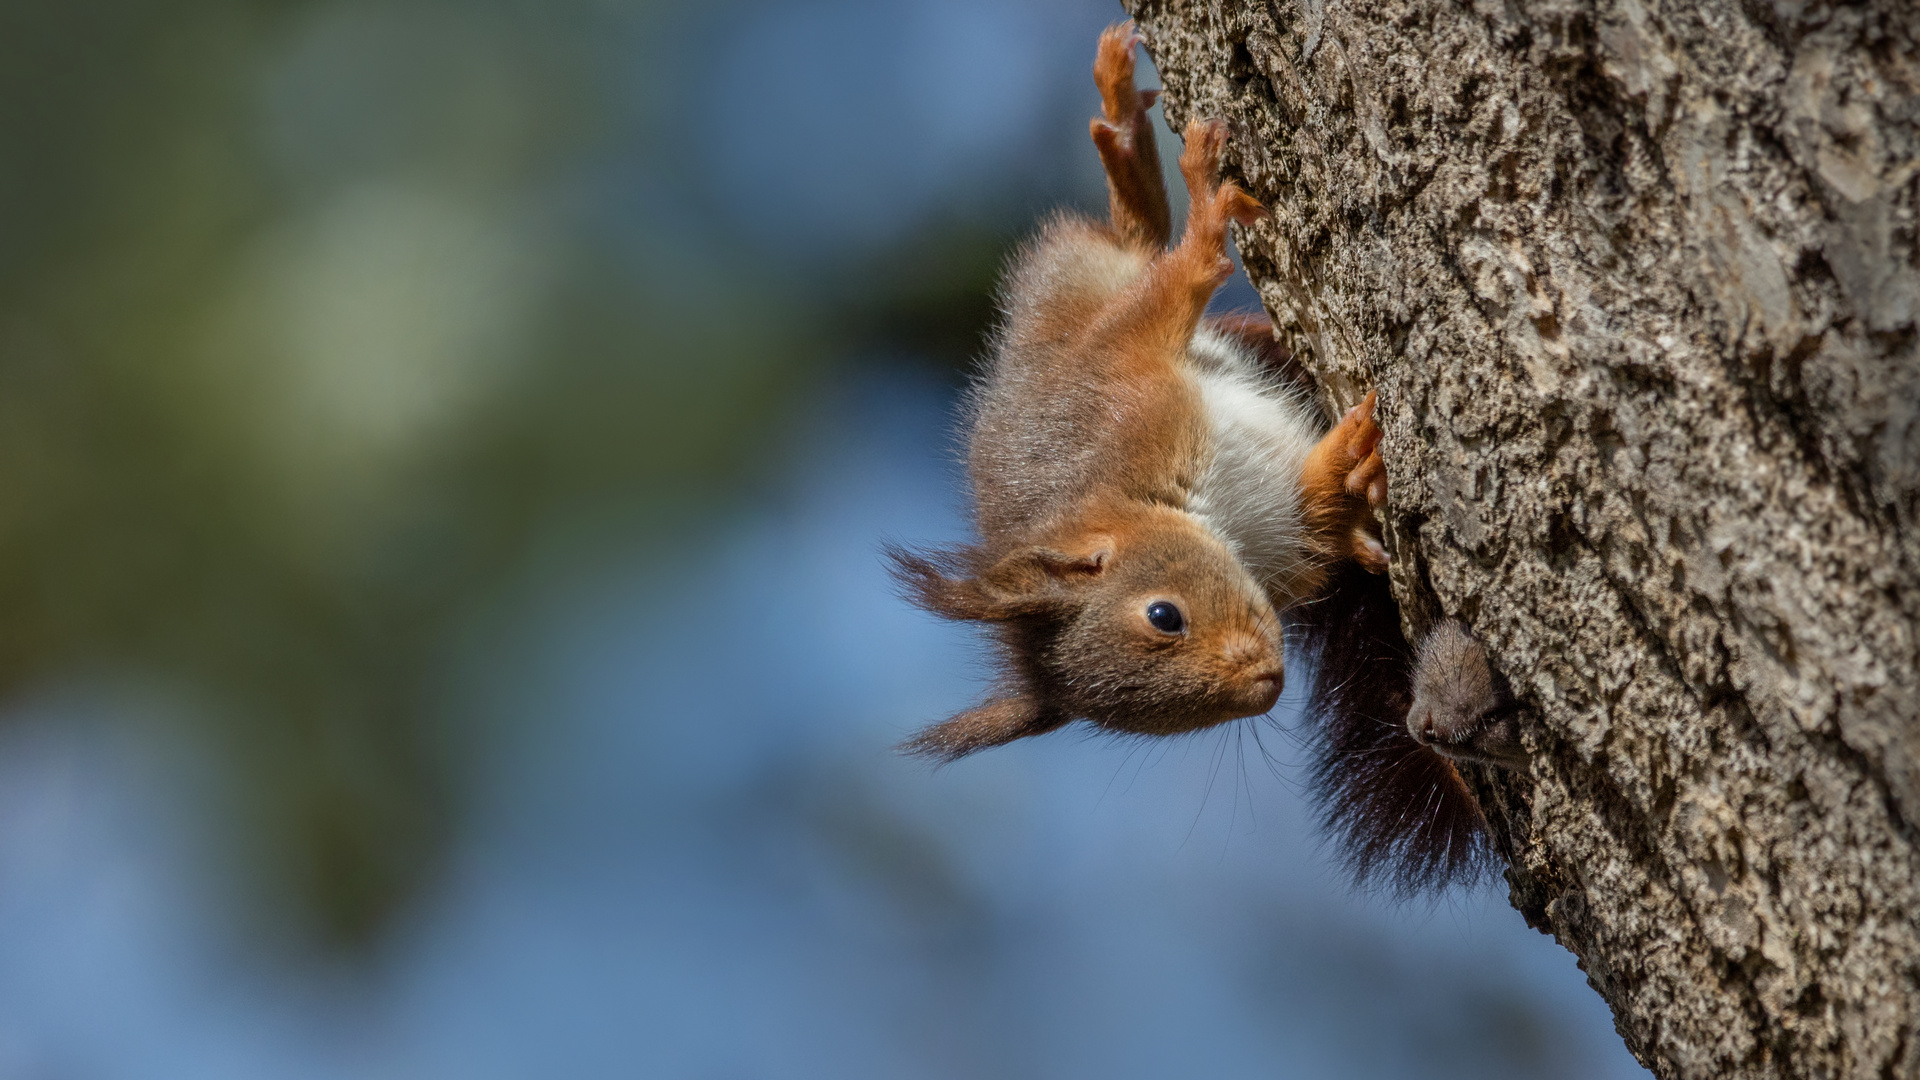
<point x="306" y="342"/>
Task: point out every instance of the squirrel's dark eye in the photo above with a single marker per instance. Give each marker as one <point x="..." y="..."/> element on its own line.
<point x="1165" y="617"/>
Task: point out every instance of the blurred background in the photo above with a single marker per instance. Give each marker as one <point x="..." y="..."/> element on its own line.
<point x="444" y="449"/>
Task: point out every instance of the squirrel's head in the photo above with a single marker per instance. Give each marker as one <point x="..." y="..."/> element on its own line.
<point x="1144" y="624"/>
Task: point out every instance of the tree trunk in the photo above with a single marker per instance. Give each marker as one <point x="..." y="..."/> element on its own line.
<point x="1637" y="283"/>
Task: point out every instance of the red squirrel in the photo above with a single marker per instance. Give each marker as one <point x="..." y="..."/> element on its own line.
<point x="1156" y="495"/>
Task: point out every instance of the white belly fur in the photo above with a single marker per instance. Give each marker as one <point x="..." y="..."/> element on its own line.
<point x="1261" y="432"/>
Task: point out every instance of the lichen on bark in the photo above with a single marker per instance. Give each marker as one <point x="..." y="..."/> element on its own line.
<point x="1637" y="284"/>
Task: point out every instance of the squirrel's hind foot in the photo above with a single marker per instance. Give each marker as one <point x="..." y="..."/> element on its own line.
<point x="1213" y="202"/>
<point x="1124" y="136"/>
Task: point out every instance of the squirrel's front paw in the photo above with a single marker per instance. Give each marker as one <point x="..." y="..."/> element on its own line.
<point x="1365" y="475"/>
<point x="1344" y="476"/>
<point x="1369" y="473"/>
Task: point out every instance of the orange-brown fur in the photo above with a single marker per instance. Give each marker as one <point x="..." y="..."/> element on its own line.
<point x="1093" y="452"/>
<point x="1088" y="442"/>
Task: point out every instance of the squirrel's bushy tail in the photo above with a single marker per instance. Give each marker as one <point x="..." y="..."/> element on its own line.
<point x="1398" y="812"/>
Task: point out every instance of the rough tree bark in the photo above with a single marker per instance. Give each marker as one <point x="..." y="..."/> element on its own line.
<point x="1636" y="280"/>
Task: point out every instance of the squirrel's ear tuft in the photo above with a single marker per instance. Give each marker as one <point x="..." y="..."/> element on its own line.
<point x="996" y="723"/>
<point x="1021" y="583"/>
<point x="940" y="581"/>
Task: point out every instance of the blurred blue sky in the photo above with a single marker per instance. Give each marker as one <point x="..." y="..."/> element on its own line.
<point x="687" y="850"/>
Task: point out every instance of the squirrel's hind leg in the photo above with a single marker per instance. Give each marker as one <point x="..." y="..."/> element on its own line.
<point x="1136" y="192"/>
<point x="1201" y="260"/>
<point x="1159" y="316"/>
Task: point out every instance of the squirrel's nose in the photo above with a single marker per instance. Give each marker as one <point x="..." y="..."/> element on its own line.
<point x="1266" y="687"/>
<point x="1249" y="651"/>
